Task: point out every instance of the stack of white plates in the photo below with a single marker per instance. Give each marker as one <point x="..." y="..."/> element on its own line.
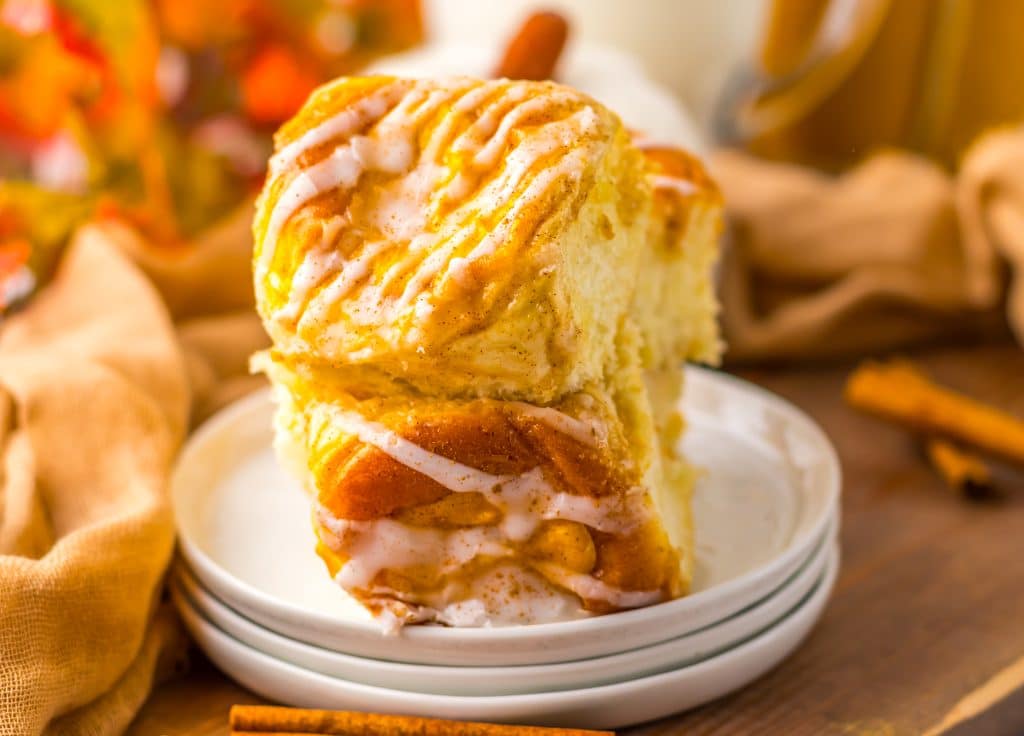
<point x="258" y="600"/>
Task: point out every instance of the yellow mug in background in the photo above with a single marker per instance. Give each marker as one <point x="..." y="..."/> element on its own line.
<point x="834" y="80"/>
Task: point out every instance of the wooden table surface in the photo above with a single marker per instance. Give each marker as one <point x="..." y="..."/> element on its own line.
<point x="927" y="618"/>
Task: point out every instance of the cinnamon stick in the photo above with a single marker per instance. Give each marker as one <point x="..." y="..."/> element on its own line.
<point x="901" y="393"/>
<point x="533" y="52"/>
<point x="250" y="720"/>
<point x="963" y="471"/>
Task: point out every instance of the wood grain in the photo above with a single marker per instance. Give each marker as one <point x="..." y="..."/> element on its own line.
<point x="928" y="609"/>
<point x="982" y="698"/>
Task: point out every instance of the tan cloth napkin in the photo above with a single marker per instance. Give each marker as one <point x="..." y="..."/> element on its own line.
<point x="890" y="253"/>
<point x="990" y="200"/>
<point x="97" y="389"/>
<point x="94" y="401"/>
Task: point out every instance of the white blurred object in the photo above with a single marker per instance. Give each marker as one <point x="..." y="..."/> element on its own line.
<point x="690" y="46"/>
<point x="611" y="76"/>
<point x="60" y="164"/>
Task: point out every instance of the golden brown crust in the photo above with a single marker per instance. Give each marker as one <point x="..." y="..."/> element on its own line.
<point x="484" y="435"/>
<point x="499" y="439"/>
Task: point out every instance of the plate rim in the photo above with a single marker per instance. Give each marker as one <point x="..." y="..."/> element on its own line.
<point x="185" y="584"/>
<point x="797" y="624"/>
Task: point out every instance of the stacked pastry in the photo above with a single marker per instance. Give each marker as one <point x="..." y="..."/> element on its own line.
<point x="474" y="290"/>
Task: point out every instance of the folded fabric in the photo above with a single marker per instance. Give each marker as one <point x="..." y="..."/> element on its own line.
<point x="892" y="252"/>
<point x="100" y="378"/>
<point x="990" y="200"/>
<point x="93" y="406"/>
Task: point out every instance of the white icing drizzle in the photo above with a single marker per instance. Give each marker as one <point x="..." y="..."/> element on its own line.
<point x="487" y="155"/>
<point x="451" y="474"/>
<point x="341" y="125"/>
<point x="382" y="544"/>
<point x="588" y="587"/>
<point x="526" y="500"/>
<point x="469" y="102"/>
<point x="568" y="167"/>
<point x="314" y="269"/>
<point x="351" y="273"/>
<point x="390" y="149"/>
<point x="340" y="167"/>
<point x="392" y="117"/>
<point x="581" y="431"/>
<point x="518" y="164"/>
<point x="486" y="604"/>
<point x="681" y="186"/>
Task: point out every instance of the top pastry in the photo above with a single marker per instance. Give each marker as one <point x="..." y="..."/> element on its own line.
<point x="457" y="236"/>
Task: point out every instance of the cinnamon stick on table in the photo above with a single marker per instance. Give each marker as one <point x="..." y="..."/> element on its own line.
<point x="533" y="52"/>
<point x="250" y="720"/>
<point x="963" y="471"/>
<point x="900" y="392"/>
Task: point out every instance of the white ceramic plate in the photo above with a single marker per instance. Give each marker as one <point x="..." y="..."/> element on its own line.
<point x="509" y="680"/>
<point x="770" y="488"/>
<point x="608" y="706"/>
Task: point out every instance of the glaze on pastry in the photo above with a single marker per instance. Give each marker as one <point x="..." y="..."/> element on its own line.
<point x="473" y="289"/>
